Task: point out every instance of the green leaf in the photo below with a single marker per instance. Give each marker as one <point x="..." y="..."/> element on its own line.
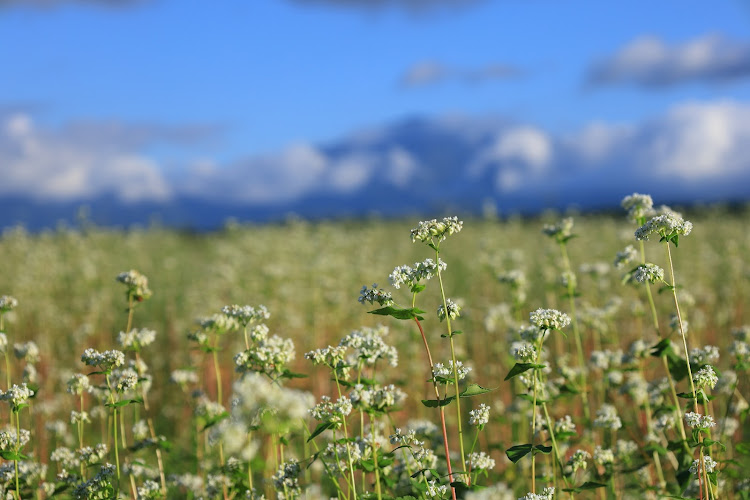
<point x="290" y="374"/>
<point x="12" y="455"/>
<point x="659" y="349"/>
<point x="322" y="427"/>
<point x="124" y="402"/>
<point x="399" y="313"/>
<point x="416" y="288"/>
<point x="520" y="368"/>
<point x="517" y="452"/>
<point x="588" y="485"/>
<point x="452" y="334"/>
<point x="474" y="390"/>
<point x="434" y="403"/>
<point x="708" y="442"/>
<point x="471" y="391"/>
<point x="742" y="448"/>
<point x="215" y="420"/>
<point x="543" y="449"/>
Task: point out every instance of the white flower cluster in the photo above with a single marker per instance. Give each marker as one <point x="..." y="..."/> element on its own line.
<point x="480" y="416"/>
<point x="664" y="225"/>
<point x="406" y="275"/>
<point x="480" y="461"/>
<point x="369" y="345"/>
<point x="17" y="395"/>
<point x="331" y="356"/>
<point x="515" y="278"/>
<point x="523" y="352"/>
<point x="106" y="360"/>
<point x="149" y="490"/>
<point x="136" y="338"/>
<point x="705" y="377"/>
<point x="137" y="284"/>
<point x="565" y="424"/>
<point x="648" y="273"/>
<point x="603" y="456"/>
<point x="709" y="463"/>
<point x="607" y="418"/>
<point x="626" y="256"/>
<point x="421" y="456"/>
<point x="7" y="303"/>
<point x="376" y="398"/>
<point x="73" y="459"/>
<point x="28" y="351"/>
<point x="78" y="383"/>
<point x="9" y="439"/>
<point x="698" y="421"/>
<point x="375" y="294"/>
<point x="100" y="486"/>
<point x="257" y="401"/>
<point x="218" y="323"/>
<point x="269" y="356"/>
<point x="436" y="490"/>
<point x="428" y="231"/>
<point x="124" y="379"/>
<point x="77" y="417"/>
<point x="707" y="354"/>
<point x="549" y="319"/>
<point x="328" y="411"/>
<point x="578" y="460"/>
<point x="443" y="374"/>
<point x="454" y="310"/>
<point x="638" y="206"/>
<point x="286" y="479"/>
<point x="246" y="314"/>
<point x="560" y="230"/>
<point x="183" y="377"/>
<point x="547" y="493"/>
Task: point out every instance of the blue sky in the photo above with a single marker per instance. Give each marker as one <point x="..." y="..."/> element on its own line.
<point x="158" y="91"/>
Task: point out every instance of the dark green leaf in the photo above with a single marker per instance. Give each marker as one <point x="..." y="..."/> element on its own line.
<point x="517" y="452"/>
<point x="322" y="427"/>
<point x="215" y="420"/>
<point x="290" y="374"/>
<point x="398" y="313"/>
<point x="520" y="368"/>
<point x="659" y="349"/>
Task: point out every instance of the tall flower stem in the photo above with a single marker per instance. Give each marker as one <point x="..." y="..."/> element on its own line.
<point x="455" y="365"/>
<point x="576" y="333"/>
<point x="346" y="436"/>
<point x="683" y="334"/>
<point x="442" y="408"/>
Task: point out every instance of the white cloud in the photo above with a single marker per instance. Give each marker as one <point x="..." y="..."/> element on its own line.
<point x="650" y="62"/>
<point x="45" y="165"/>
<point x="699" y="141"/>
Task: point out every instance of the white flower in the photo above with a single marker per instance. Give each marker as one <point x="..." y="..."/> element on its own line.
<point x="431" y="230"/>
<point x="480" y="416"/>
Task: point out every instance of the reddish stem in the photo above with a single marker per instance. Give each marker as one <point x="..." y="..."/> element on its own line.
<point x="442" y="411"/>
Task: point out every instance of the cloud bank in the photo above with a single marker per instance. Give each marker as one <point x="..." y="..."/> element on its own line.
<point x="650" y="62"/>
<point x="694" y="151"/>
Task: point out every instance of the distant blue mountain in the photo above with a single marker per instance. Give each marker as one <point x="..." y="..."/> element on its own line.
<point x="421" y="167"/>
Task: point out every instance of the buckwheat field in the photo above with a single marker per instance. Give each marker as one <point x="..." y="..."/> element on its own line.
<point x="574" y="356"/>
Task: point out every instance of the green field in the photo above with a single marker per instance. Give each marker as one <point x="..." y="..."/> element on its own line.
<point x="309" y="277"/>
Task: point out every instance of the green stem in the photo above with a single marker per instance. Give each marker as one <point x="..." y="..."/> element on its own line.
<point x="18" y="450"/>
<point x="346" y="441"/>
<point x="577" y="334"/>
<point x="455" y="366"/>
